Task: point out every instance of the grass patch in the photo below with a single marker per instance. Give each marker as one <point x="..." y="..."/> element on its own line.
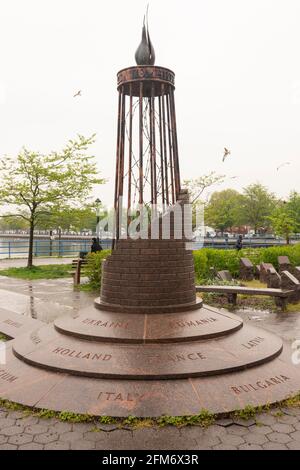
<point x="255" y="284"/>
<point x="51" y="271"/>
<point x="293" y="308"/>
<point x="204" y="418"/>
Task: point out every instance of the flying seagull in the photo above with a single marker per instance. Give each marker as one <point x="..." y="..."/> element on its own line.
<point x="77" y="94"/>
<point x="226" y="153"/>
<point x="283" y="164"/>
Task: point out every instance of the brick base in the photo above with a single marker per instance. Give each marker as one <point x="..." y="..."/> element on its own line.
<point x="148" y="275"/>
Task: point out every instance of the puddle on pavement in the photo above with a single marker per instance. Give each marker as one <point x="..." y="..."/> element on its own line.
<point x="43" y="300"/>
<point x="285" y="325"/>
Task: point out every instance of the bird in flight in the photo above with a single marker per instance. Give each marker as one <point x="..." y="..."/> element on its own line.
<point x="283" y="164"/>
<point x="77" y="94"/>
<point x="226" y="153"/>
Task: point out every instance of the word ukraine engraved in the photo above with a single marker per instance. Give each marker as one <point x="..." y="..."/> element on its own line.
<point x="4" y="375"/>
<point x="260" y="384"/>
<point x="253" y="342"/>
<point x="105" y="324"/>
<point x="189" y="323"/>
<point x="13" y="323"/>
<point x="81" y="355"/>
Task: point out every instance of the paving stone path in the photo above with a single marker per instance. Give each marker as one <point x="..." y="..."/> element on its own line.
<point x="279" y="429"/>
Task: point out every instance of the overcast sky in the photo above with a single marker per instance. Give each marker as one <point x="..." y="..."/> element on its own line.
<point x="237" y="67"/>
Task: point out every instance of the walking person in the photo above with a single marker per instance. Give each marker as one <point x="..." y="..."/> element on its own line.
<point x="239" y="243"/>
<point x="96" y="246"/>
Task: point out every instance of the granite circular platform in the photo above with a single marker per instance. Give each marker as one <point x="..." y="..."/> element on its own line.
<point x="105" y="363"/>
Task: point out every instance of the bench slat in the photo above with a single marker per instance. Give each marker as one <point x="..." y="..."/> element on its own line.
<point x="244" y="290"/>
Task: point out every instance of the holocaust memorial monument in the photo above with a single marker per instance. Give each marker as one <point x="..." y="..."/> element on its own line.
<point x="148" y="346"/>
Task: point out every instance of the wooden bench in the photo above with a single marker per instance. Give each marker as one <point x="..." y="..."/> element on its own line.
<point x="233" y="291"/>
<point x="78" y="266"/>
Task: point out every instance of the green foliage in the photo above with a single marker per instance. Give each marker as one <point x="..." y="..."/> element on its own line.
<point x="74" y="417"/>
<point x="222" y="259"/>
<point x="257" y="206"/>
<point x="201" y="264"/>
<point x="230" y="259"/>
<point x="284" y="222"/>
<point x="204" y="418"/>
<point x="69" y="218"/>
<point x="107" y="420"/>
<point x="94" y="268"/>
<point x="248" y="412"/>
<point x="206" y="258"/>
<point x="51" y="271"/>
<point x="45" y="414"/>
<point x="293" y="205"/>
<point x="36" y="185"/>
<point x="222" y="211"/>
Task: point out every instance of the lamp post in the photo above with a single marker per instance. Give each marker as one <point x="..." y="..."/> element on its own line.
<point x="98" y="213"/>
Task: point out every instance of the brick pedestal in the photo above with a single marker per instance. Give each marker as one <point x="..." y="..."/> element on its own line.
<point x="148" y="275"/>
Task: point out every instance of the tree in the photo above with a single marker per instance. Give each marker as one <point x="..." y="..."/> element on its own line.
<point x="257" y="206"/>
<point x="37" y="184"/>
<point x="11" y="222"/>
<point x="197" y="186"/>
<point x="69" y="218"/>
<point x="284" y="222"/>
<point x="293" y="205"/>
<point x="222" y="211"/>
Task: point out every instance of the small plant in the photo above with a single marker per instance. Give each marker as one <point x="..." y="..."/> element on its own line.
<point x="204" y="418"/>
<point x="130" y="421"/>
<point x="74" y="417"/>
<point x="248" y="412"/>
<point x="107" y="420"/>
<point x="46" y="414"/>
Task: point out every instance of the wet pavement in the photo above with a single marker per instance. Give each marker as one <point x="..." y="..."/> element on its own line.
<point x="285" y="325"/>
<point x="46" y="300"/>
<point x="22" y="262"/>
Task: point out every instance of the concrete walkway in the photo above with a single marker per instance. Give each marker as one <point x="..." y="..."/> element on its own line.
<point x="45" y="300"/>
<point x="22" y="262"/>
<point x="270" y="432"/>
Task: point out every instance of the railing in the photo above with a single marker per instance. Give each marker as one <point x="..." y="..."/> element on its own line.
<point x="62" y="247"/>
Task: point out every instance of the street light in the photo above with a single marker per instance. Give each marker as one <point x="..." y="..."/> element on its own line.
<point x="98" y="213"/>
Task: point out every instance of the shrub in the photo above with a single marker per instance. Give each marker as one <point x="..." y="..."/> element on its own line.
<point x="230" y="259"/>
<point x="200" y="263"/>
<point x="206" y="258"/>
<point x="94" y="267"/>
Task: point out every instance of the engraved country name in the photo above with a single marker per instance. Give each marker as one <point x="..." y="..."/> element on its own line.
<point x="253" y="342"/>
<point x="7" y="376"/>
<point x="115" y="396"/>
<point x="157" y="358"/>
<point x="260" y="384"/>
<point x="189" y="323"/>
<point x="13" y="323"/>
<point x="82" y="355"/>
<point x="105" y="324"/>
<point x="35" y="338"/>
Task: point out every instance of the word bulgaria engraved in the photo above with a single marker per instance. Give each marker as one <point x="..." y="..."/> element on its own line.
<point x="260" y="384"/>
